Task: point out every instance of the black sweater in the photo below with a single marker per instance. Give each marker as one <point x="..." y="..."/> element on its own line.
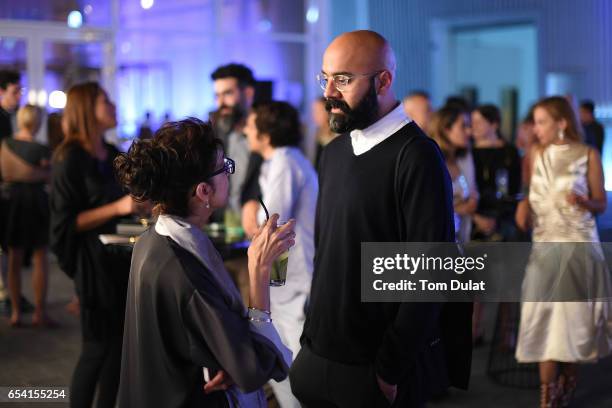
<point x="357" y="204"/>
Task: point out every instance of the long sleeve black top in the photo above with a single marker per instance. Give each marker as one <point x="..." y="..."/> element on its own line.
<point x="357" y="203"/>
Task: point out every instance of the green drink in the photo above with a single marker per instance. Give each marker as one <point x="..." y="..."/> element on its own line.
<point x="278" y="274"/>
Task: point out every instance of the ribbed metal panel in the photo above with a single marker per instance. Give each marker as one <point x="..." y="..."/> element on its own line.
<point x="574" y="36"/>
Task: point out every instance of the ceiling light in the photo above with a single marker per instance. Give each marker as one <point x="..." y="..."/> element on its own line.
<point x="57" y="100"/>
<point x="312" y="15"/>
<point x="146" y="4"/>
<point x="75" y="19"/>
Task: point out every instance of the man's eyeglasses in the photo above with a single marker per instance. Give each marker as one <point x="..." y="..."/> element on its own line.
<point x="229" y="167"/>
<point x="341" y="81"/>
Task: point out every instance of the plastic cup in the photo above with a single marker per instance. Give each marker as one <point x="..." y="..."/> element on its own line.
<point x="278" y="274"/>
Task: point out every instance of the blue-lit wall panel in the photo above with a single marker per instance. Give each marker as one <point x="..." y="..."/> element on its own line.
<point x="574" y="36"/>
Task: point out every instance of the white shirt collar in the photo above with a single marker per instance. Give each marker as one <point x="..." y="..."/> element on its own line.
<point x="366" y="139"/>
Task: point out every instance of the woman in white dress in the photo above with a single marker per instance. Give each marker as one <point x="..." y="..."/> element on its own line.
<point x="566" y="190"/>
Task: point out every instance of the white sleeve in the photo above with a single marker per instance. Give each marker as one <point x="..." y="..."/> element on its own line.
<point x="279" y="188"/>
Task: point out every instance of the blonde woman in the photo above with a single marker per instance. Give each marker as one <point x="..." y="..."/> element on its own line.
<point x="25" y="169"/>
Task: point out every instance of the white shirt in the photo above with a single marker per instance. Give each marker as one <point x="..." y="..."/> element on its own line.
<point x="364" y="140"/>
<point x="289" y="187"/>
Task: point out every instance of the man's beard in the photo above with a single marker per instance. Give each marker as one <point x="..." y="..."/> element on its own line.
<point x="361" y="117"/>
<point x="224" y="123"/>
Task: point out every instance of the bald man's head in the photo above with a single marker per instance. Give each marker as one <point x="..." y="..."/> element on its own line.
<point x="359" y="67"/>
<point x="362" y="51"/>
<point x="418" y="107"/>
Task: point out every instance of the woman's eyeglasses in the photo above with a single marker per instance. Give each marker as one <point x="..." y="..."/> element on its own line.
<point x="229" y="167"/>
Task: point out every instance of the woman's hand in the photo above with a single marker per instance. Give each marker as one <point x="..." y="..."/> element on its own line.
<point x="467" y="207"/>
<point x="267" y="245"/>
<point x="220" y="382"/>
<point x="522" y="217"/>
<point x="90" y="219"/>
<point x="269" y="242"/>
<point x="388" y="390"/>
<point x="486" y="225"/>
<point x="577" y="200"/>
<point x="125" y="205"/>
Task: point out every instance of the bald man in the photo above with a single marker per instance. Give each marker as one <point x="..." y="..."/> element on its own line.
<point x="418" y="107"/>
<point x="381" y="180"/>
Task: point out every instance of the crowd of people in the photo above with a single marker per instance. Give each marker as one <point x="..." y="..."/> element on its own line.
<point x="170" y="323"/>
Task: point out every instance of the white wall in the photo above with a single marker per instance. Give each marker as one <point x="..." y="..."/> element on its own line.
<point x="491" y="59"/>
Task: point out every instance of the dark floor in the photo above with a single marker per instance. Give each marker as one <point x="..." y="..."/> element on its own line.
<point x="34" y="357"/>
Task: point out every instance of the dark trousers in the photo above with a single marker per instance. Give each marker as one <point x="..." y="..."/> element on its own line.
<point x="99" y="363"/>
<point x="321" y="383"/>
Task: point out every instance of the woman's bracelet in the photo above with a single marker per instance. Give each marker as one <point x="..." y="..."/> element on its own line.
<point x="259" y="315"/>
<point x="264" y="320"/>
<point x="260" y="310"/>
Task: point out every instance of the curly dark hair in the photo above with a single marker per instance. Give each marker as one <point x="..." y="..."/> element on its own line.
<point x="166" y="168"/>
<point x="281" y="121"/>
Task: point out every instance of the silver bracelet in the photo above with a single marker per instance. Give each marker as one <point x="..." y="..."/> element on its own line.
<point x="260" y="310"/>
<point x="266" y="320"/>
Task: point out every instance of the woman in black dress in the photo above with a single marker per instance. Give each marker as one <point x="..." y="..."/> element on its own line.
<point x="498" y="176"/>
<point x="25" y="169"/>
<point x="87" y="201"/>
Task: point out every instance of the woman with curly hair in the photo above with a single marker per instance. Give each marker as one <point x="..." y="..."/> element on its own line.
<point x="189" y="339"/>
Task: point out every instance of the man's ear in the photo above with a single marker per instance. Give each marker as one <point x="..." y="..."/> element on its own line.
<point x="385" y="79"/>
